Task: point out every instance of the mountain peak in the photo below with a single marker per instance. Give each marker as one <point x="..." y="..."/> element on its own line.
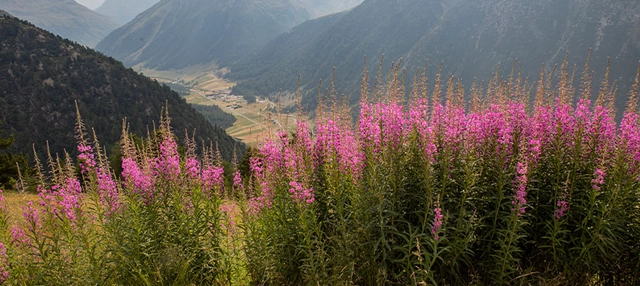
<point x="66" y="18"/>
<point x="175" y="33"/>
<point x="123" y="11"/>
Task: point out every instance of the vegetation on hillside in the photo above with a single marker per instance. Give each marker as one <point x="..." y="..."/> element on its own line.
<point x="41" y="76"/>
<point x="215" y="115"/>
<point x="12" y="166"/>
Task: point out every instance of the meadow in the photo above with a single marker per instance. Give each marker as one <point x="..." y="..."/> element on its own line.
<point x="508" y="184"/>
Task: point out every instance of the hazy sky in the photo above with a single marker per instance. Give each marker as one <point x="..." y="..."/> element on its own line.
<point x="92" y="4"/>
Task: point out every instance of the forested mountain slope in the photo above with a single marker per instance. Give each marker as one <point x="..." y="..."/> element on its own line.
<point x="41" y="76"/>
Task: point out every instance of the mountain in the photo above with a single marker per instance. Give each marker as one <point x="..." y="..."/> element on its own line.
<point x="470" y="37"/>
<point x="123" y="11"/>
<point x="66" y="18"/>
<point x="41" y="76"/>
<point x="273" y="58"/>
<point x="174" y="34"/>
<point x="327" y="7"/>
<point x="91" y="4"/>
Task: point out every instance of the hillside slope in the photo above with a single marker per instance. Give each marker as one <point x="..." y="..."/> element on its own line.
<point x="42" y="75"/>
<point x="175" y="34"/>
<point x="66" y="18"/>
<point x="123" y="11"/>
<point x="470" y="37"/>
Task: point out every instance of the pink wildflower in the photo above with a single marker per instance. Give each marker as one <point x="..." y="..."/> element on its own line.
<point x="562" y="209"/>
<point x="136" y="180"/>
<point x="108" y="192"/>
<point x="19" y="237"/>
<point x="437" y="223"/>
<point x="519" y="200"/>
<point x="192" y="168"/>
<point x="86" y="158"/>
<point x="4" y="264"/>
<point x="598" y="181"/>
<point x="213" y="179"/>
<point x="300" y="194"/>
<point x="32" y="217"/>
<point x="237" y="181"/>
<point x="231" y="212"/>
<point x="168" y="161"/>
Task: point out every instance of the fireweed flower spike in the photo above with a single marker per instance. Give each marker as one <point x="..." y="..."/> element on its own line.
<point x="301" y="194"/>
<point x="237" y="182"/>
<point x="561" y="210"/>
<point x="136" y="180"/>
<point x="437" y="222"/>
<point x="86" y="158"/>
<point x="598" y="179"/>
<point x="19" y="237"/>
<point x="519" y="200"/>
<point x="4" y="264"/>
<point x="108" y="191"/>
<point x="213" y="179"/>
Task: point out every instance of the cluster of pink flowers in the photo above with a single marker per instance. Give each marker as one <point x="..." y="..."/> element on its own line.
<point x="213" y="179"/>
<point x="108" y="191"/>
<point x="237" y="181"/>
<point x="19" y="237"/>
<point x="437" y="223"/>
<point x="4" y="264"/>
<point x="598" y="179"/>
<point x="562" y="209"/>
<point x="144" y="176"/>
<point x="65" y="199"/>
<point x="192" y="169"/>
<point x="334" y="141"/>
<point x="498" y="130"/>
<point x="301" y="194"/>
<point x="86" y="158"/>
<point x="32" y="218"/>
<point x="168" y="161"/>
<point x="136" y="179"/>
<point x="519" y="200"/>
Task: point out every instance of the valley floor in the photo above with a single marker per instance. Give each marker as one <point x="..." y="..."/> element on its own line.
<point x="208" y="88"/>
